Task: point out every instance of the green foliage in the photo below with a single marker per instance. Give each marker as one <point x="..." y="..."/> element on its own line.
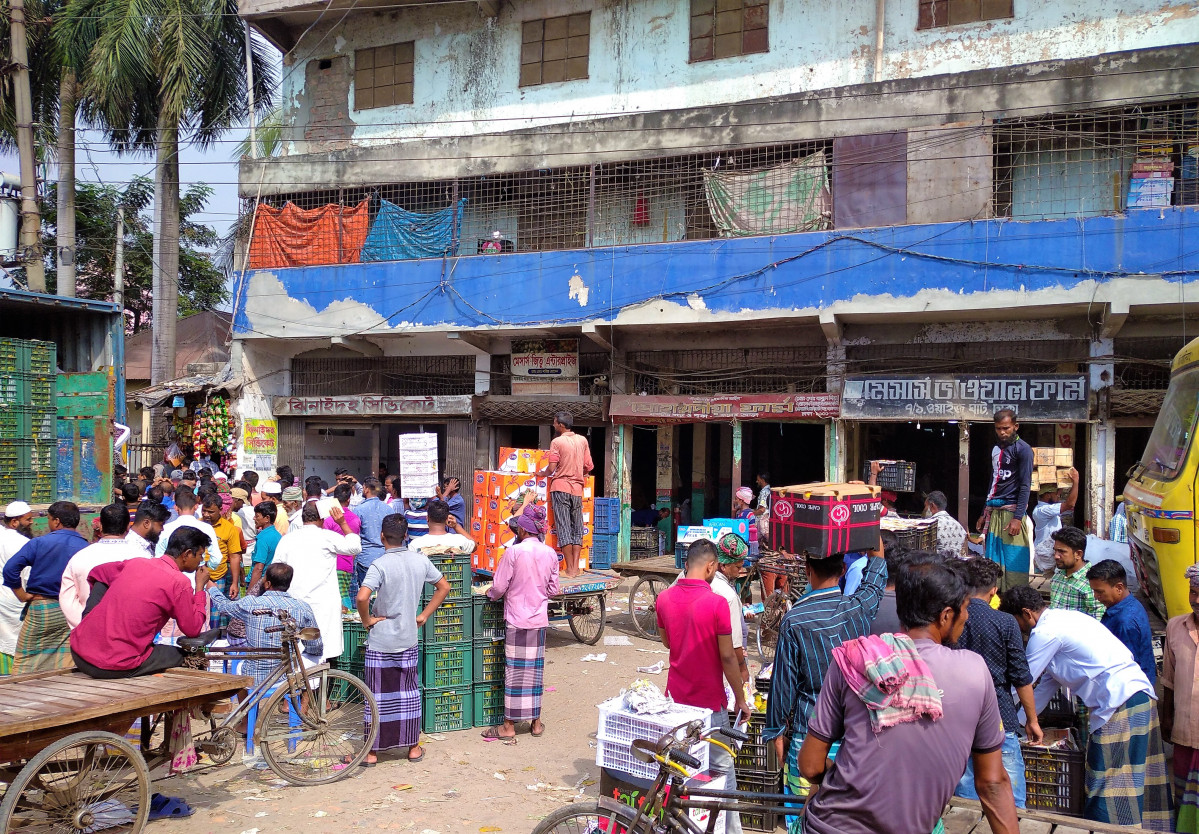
<point x="201" y="283"/>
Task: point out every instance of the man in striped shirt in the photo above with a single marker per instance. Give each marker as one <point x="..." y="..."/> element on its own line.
<point x="821" y="620"/>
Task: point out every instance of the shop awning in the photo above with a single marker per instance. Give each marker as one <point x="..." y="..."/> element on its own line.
<point x="158" y="395"/>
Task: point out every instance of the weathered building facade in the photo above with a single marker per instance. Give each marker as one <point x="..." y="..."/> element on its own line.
<point x="786" y="237"/>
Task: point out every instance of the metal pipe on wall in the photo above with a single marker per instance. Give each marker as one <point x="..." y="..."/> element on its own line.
<point x="880" y="26"/>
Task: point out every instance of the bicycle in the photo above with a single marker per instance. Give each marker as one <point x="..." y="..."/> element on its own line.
<point x="313" y="719"/>
<point x="665" y="808"/>
<point x="776" y="605"/>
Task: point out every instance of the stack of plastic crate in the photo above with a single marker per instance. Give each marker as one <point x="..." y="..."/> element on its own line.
<point x="447" y="651"/>
<point x="619" y="727"/>
<point x="28" y="435"/>
<point x="758" y="771"/>
<point x="489" y="630"/>
<point x="606" y="524"/>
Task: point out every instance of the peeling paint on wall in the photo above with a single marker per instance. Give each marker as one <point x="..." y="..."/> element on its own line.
<point x="579" y="290"/>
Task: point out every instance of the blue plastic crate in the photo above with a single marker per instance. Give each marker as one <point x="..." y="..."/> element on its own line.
<point x="606" y="516"/>
<point x="603" y="551"/>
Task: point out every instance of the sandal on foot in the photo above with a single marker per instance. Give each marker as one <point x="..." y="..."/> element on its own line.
<point x="493" y="733"/>
<point x="411" y="760"/>
<point x="537" y="733"/>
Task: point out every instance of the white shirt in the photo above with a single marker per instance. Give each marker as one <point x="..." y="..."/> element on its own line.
<point x="1074" y="650"/>
<point x="136" y="540"/>
<point x="249" y="530"/>
<point x="433" y="543"/>
<point x="722" y="586"/>
<point x="950" y="533"/>
<point x="296" y="520"/>
<point x="10" y="607"/>
<point x="1047" y="519"/>
<point x="312" y="552"/>
<point x="214" y="551"/>
<point x="75" y="589"/>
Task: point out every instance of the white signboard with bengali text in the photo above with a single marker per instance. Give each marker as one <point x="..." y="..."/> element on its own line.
<point x="418" y="465"/>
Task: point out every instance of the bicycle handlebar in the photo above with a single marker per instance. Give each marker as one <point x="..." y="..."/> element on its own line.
<point x="733" y="733"/>
<point x="273" y="629"/>
<point x="684" y="758"/>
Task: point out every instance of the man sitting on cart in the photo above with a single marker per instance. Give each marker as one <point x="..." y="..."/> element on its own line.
<point x="132" y="600"/>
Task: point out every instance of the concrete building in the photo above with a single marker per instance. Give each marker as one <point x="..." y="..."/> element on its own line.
<point x="732" y="237"/>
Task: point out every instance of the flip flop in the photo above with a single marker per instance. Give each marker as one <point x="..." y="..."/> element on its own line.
<point x="537" y="733"/>
<point x="411" y="760"/>
<point x="166" y="807"/>
<point x="493" y="734"/>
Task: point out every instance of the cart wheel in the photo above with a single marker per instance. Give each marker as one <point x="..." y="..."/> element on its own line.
<point x="88" y="781"/>
<point x="587" y="618"/>
<point x="643" y="605"/>
<point x="307" y="733"/>
<point x="774" y="608"/>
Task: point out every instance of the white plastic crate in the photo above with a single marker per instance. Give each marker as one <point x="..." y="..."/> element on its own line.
<point x="619" y="727"/>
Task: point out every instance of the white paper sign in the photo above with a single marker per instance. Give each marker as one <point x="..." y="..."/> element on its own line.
<point x="418" y="465"/>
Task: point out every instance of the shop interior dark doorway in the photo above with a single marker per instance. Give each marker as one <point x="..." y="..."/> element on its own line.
<point x="933" y="447"/>
<point x="982" y="441"/>
<point x="792" y="453"/>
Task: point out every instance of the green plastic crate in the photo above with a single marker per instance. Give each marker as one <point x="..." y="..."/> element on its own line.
<point x="20" y="388"/>
<point x="24" y="422"/>
<point x="488" y="619"/>
<point x="43" y="357"/>
<point x="447" y="709"/>
<point x="16" y="485"/>
<point x="44" y="488"/>
<point x="450" y="623"/>
<point x="456" y="570"/>
<point x="353" y="644"/>
<point x="488" y="704"/>
<point x="488" y="661"/>
<point x="442" y="667"/>
<point x="41" y="456"/>
<point x="24" y="356"/>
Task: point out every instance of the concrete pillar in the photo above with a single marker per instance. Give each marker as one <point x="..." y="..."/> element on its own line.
<point x="482" y="374"/>
<point x="836" y="444"/>
<point x="963" y="509"/>
<point x="738" y="473"/>
<point x="699" y="472"/>
<point x="664" y="481"/>
<point x="1101" y="434"/>
<point x="621" y="483"/>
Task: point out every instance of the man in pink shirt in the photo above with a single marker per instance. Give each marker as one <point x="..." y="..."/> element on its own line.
<point x="526" y="578"/>
<point x="112" y="546"/>
<point x="570" y="461"/>
<point x="130" y="603"/>
<point x="696" y="627"/>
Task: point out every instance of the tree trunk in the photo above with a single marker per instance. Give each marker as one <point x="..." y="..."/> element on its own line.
<point x="66" y="184"/>
<point x="166" y="251"/>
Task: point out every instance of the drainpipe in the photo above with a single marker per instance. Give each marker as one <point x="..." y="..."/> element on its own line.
<point x="880" y="25"/>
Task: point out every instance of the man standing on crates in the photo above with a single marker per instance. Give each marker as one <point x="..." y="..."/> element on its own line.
<point x="1009" y="529"/>
<point x="570" y="461"/>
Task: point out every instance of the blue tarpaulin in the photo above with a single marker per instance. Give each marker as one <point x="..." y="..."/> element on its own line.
<point x="398" y="234"/>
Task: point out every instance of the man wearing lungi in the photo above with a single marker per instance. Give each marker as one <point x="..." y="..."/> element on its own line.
<point x="1126" y="780"/>
<point x="525" y="578"/>
<point x="42" y="644"/>
<point x="1005" y="519"/>
<point x="397" y="579"/>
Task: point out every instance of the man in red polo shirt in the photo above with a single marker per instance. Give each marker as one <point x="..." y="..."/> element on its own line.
<point x="115" y="638"/>
<point x="696" y="627"/>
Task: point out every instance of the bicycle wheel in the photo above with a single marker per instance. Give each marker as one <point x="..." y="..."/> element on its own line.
<point x="774" y="607"/>
<point x="590" y="818"/>
<point x="586" y="618"/>
<point x="81" y="783"/>
<point x="319" y="732"/>
<point x="643" y="605"/>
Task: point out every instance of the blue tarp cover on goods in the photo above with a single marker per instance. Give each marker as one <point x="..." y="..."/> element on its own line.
<point x="399" y="235"/>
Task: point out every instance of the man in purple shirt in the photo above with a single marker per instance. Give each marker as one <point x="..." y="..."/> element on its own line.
<point x="898" y="779"/>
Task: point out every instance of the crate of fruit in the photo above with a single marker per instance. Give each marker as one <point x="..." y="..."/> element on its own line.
<point x="447" y="709"/>
<point x="456" y="570"/>
<point x="488" y="704"/>
<point x="488" y="661"/>
<point x="488" y="618"/>
<point x="452" y="622"/>
<point x="446" y="666"/>
<point x="1055" y="772"/>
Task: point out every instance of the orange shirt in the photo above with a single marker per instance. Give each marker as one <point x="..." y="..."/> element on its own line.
<point x="571" y="455"/>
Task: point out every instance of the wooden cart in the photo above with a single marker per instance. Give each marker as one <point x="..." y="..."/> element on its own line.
<point x="654" y="575"/>
<point x="582" y="603"/>
<point x="63" y="753"/>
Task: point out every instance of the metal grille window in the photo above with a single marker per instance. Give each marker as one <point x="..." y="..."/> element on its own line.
<point x="744" y="371"/>
<point x="383" y="75"/>
<point x="1018" y="356"/>
<point x="397" y="376"/>
<point x="724" y="28"/>
<point x="555" y="49"/>
<point x="1143" y="362"/>
<point x="937" y="13"/>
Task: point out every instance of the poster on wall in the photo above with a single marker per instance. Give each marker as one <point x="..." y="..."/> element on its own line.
<point x="418" y="465"/>
<point x="545" y="366"/>
<point x="261" y="441"/>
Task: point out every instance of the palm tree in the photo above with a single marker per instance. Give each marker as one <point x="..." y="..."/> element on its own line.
<point x="156" y="71"/>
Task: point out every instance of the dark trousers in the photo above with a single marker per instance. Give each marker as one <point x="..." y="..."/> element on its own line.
<point x="162" y="657"/>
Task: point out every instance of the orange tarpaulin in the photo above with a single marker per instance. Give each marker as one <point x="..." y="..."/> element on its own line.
<point x="291" y="236"/>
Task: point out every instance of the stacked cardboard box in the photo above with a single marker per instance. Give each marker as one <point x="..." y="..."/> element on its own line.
<point x="499" y="494"/>
<point x="1051" y="466"/>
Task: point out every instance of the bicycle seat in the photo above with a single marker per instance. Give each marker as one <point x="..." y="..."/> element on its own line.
<point x="194" y="644"/>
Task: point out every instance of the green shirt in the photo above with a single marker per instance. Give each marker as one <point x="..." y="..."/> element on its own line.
<point x="1073" y="592"/>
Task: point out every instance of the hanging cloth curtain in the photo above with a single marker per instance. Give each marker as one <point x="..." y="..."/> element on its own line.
<point x="399" y="235"/>
<point x="792" y="197"/>
<point x="291" y="236"/>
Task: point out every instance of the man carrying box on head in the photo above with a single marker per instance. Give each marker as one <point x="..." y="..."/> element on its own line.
<point x="570" y="461"/>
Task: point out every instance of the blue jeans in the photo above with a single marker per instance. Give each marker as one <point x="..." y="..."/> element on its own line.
<point x="1013" y="763"/>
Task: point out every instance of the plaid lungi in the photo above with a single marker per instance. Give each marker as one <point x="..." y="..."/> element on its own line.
<point x="524" y="669"/>
<point x="343" y="585"/>
<point x="215" y="618"/>
<point x="1126" y="769"/>
<point x="1186" y="789"/>
<point x="44" y="642"/>
<point x="393" y="680"/>
<point x="5" y="664"/>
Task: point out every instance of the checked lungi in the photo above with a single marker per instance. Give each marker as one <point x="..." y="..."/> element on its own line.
<point x="344" y="580"/>
<point x="44" y="642"/>
<point x="1186" y="789"/>
<point x="524" y="670"/>
<point x="394" y="681"/>
<point x="1012" y="553"/>
<point x="1126" y="769"/>
<point x="215" y="618"/>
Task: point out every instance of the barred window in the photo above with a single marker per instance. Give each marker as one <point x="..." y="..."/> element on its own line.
<point x="383" y="76"/>
<point x="555" y="49"/>
<point x="937" y="13"/>
<point x="724" y="28"/>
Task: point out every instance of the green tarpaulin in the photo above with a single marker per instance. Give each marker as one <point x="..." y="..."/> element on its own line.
<point x="792" y="197"/>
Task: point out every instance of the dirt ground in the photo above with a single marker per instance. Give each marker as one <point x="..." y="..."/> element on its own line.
<point x="464" y="784"/>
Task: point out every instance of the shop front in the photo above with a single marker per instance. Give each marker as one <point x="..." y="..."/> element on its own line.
<point x="943" y="424"/>
<point x="361" y="433"/>
<point x="689" y="453"/>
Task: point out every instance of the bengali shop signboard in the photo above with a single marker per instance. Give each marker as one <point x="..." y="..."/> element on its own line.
<point x="260" y="438"/>
<point x="545" y="366"/>
<point x="661" y="410"/>
<point x="372" y="405"/>
<point x="1060" y="398"/>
